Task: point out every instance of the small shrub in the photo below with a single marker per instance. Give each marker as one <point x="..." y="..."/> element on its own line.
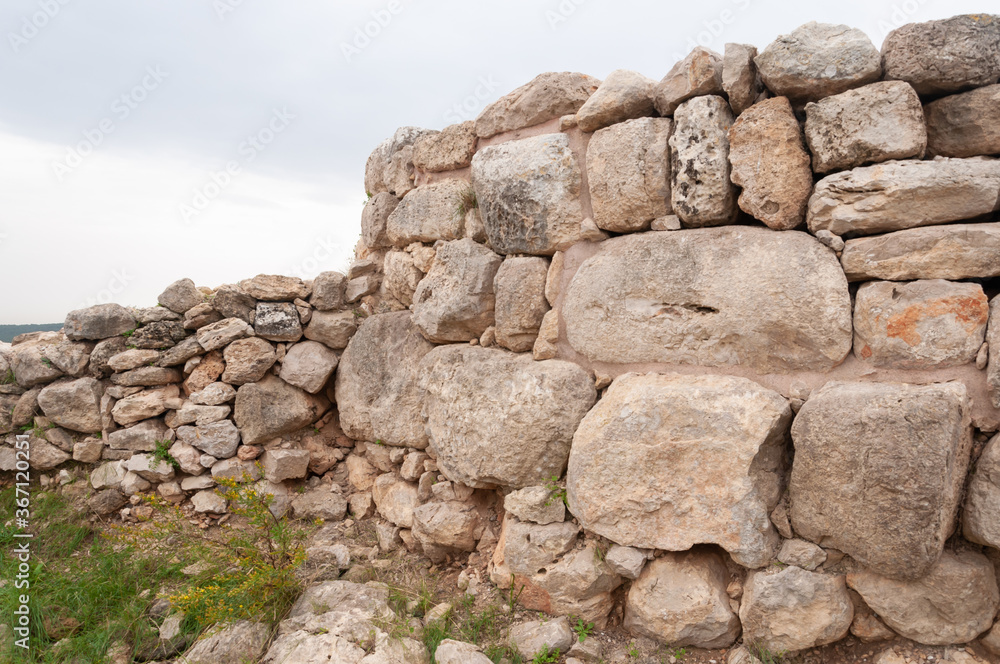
<point x="556" y="492"/>
<point x="9" y="378"/>
<point x="582" y="629"/>
<point x="764" y="654"/>
<point x="162" y="453"/>
<point x="546" y="656"/>
<point x="466" y="202"/>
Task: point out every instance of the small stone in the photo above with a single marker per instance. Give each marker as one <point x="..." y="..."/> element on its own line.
<point x="181" y="296"/>
<point x="670" y="222"/>
<point x="248" y="360"/>
<point x="208" y="502"/>
<point x="802" y="554"/>
<point x="530" y="637"/>
<point x="700" y="73"/>
<point x="334" y="329"/>
<point x="623" y="95"/>
<point x="280" y="465"/>
<point x="626" y="561"/>
<point x="740" y="78"/>
<point x="536" y="504"/>
<point x="277" y="321"/>
<point x="273" y="288"/>
<point x="149" y="469"/>
<point x="829" y="239"/>
<point x="222" y="333"/>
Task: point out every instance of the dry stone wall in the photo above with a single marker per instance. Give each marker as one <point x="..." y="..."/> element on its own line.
<point x="740" y="318"/>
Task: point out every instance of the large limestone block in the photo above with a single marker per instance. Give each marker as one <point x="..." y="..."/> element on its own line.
<point x="277" y="321"/>
<point x="680" y="599"/>
<point x="964" y="125"/>
<point x="775" y="301"/>
<point x="328" y="291"/>
<point x="623" y="95"/>
<point x="956" y="251"/>
<point x="455" y="301"/>
<point x="545" y="97"/>
<point x="792" y="609"/>
<point x="663" y="430"/>
<point x="878" y="471"/>
<point x="818" y="60"/>
<point x="904" y="194"/>
<point x="496" y="418"/>
<point x="427" y="214"/>
<point x="443" y="528"/>
<point x="274" y="288"/>
<point x="628" y="171"/>
<point x="374" y="221"/>
<point x="944" y="56"/>
<point x="450" y="150"/>
<point x="740" y="78"/>
<point x="74" y="404"/>
<point x="701" y="192"/>
<point x="401" y="277"/>
<point x="98" y="322"/>
<point x="309" y="365"/>
<point x="376" y="388"/>
<point x="769" y="161"/>
<point x="873" y="123"/>
<point x="928" y="324"/>
<point x="247" y="360"/>
<point x="528" y="194"/>
<point x="953" y="603"/>
<point x="700" y="73"/>
<point x="272" y="407"/>
<point x="334" y="329"/>
<point x="31" y="365"/>
<point x="380" y="175"/>
<point x="993" y="366"/>
<point x="981" y="516"/>
<point x="520" y="301"/>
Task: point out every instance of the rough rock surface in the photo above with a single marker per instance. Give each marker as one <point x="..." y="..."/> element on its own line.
<point x="328" y="291"/>
<point x="928" y="324"/>
<point x="308" y="365"/>
<point x="376" y="388"/>
<point x="792" y="609"/>
<point x="495" y="418"/>
<point x="142" y="437"/>
<point x="740" y="78"/>
<point x="904" y="194"/>
<point x="401" y="277"/>
<point x="74" y="404"/>
<point x="769" y="161"/>
<point x="428" y="214"/>
<point x="701" y="192"/>
<point x="529" y="638"/>
<point x="623" y="95"/>
<point x="628" y="171"/>
<point x="222" y="333"/>
<point x="272" y="407"/>
<point x="944" y="56"/>
<point x="98" y="322"/>
<point x="547" y="96"/>
<point x="818" y="60"/>
<point x="535" y="504"/>
<point x="662" y="293"/>
<point x="661" y="428"/>
<point x="445" y="527"/>
<point x="220" y="439"/>
<point x="247" y="360"/>
<point x="877" y="122"/>
<point x="981" y="515"/>
<point x="964" y="125"/>
<point x="953" y="603"/>
<point x="802" y="554"/>
<point x="993" y="364"/>
<point x="447" y="151"/>
<point x="680" y="599"/>
<point x="234" y="644"/>
<point x="274" y="288"/>
<point x="181" y="296"/>
<point x="277" y="321"/>
<point x="956" y="251"/>
<point x="395" y="499"/>
<point x="856" y="444"/>
<point x="332" y="328"/>
<point x="374" y="223"/>
<point x="520" y="301"/>
<point x="700" y="73"/>
<point x="528" y="193"/>
<point x="455" y="301"/>
<point x="450" y="651"/>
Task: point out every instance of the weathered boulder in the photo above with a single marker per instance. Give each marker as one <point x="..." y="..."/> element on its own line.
<point x="201" y="315"/>
<point x="445" y="527"/>
<point x="769" y="161"/>
<point x="147" y="377"/>
<point x="332" y="328"/>
<point x="981" y="516"/>
<point x="181" y="296"/>
<point x="69" y="357"/>
<point x="628" y="171"/>
<point x="104" y="351"/>
<point x="401" y="277"/>
<point x="208" y="502"/>
<point x="447" y="151"/>
<point x="536" y="504"/>
<point x="700" y="73"/>
<point x="740" y="78"/>
<point x="528" y="194"/>
<point x="680" y="599"/>
<point x="818" y="60"/>
<point x="150" y="469"/>
<point x="386" y="167"/>
<point x="106" y="502"/>
<point x="141" y="437"/>
<point x="98" y="322"/>
<point x="133" y="358"/>
<point x="320" y="503"/>
<point x="428" y="214"/>
<point x="662" y="292"/>
<point x="623" y="95"/>
<point x="877" y="122"/>
<point x="31" y="366"/>
<point x="802" y="554"/>
<point x="520" y="301"/>
<point x="927" y="324"/>
<point x="143" y="405"/>
<point x="531" y="637"/>
<point x="450" y="651"/>
<point x="545" y="97"/>
<point x="237" y="643"/>
<point x="954" y="602"/>
<point x="280" y="465"/>
<point x="944" y="56"/>
<point x="626" y="561"/>
<point x="792" y="609"/>
<point x="272" y="407"/>
<point x="455" y="301"/>
<point x="879" y="470"/>
<point x="904" y="194"/>
<point x="180" y="353"/>
<point x="277" y="321"/>
<point x="45" y="456"/>
<point x="274" y="288"/>
<point x="374" y="223"/>
<point x="308" y="365"/>
<point x="247" y="360"/>
<point x="496" y="418"/>
<point x="221" y="334"/>
<point x="328" y="291"/>
<point x="236" y="469"/>
<point x="159" y="335"/>
<point x="701" y="192"/>
<point x="661" y="429"/>
<point x="377" y="393"/>
<point x="220" y="439"/>
<point x="75" y="404"/>
<point x="964" y="125"/>
<point x="955" y="251"/>
<point x="232" y="302"/>
<point x="205" y="372"/>
<point x="395" y="499"/>
<point x="214" y="394"/>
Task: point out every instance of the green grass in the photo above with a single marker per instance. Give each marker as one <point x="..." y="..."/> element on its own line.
<point x="80" y="579"/>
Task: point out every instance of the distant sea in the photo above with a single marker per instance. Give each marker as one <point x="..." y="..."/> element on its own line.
<point x="8" y="332"/>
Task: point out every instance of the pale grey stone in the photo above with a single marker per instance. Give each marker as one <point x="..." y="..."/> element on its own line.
<point x="546" y="97"/>
<point x="701" y="192"/>
<point x="623" y="95"/>
<point x="700" y="73"/>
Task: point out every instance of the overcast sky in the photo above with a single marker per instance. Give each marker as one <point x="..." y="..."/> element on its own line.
<point x="143" y="141"/>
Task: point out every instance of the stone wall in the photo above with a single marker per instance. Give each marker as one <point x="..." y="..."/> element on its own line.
<point x="740" y="318"/>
